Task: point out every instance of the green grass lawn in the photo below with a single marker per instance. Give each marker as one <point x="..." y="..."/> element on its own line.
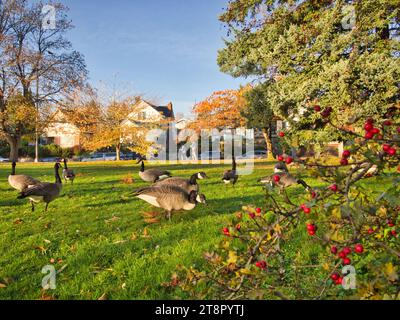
<point x="98" y="236"/>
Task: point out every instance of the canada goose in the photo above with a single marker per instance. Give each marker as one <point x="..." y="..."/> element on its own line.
<point x="285" y="178"/>
<point x="170" y="198"/>
<point x="186" y="184"/>
<point x="68" y="174"/>
<point x="43" y="191"/>
<point x="231" y="176"/>
<point x="20" y="181"/>
<point x="152" y="175"/>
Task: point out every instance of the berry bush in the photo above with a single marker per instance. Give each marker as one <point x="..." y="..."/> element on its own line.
<point x="296" y="247"/>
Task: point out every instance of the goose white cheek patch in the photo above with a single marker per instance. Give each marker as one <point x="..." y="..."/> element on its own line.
<point x="199" y="176"/>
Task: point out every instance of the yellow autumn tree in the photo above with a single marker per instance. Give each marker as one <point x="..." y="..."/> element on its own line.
<point x="104" y="125"/>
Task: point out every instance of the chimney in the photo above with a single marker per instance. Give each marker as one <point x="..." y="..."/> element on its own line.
<point x="169" y="106"/>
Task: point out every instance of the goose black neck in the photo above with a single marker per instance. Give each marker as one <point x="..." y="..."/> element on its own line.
<point x="233" y="163"/>
<point x="65" y="164"/>
<point x="13" y="165"/>
<point x="142" y="166"/>
<point x="193" y="179"/>
<point x="57" y="175"/>
<point x="303" y="183"/>
<point x="192" y="196"/>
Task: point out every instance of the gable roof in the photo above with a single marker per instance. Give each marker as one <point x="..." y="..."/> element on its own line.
<point x="165" y="111"/>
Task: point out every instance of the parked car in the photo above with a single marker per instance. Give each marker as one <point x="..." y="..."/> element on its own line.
<point x="51" y="159"/>
<point x="256" y="154"/>
<point x="106" y="156"/>
<point x="93" y="157"/>
<point x="4" y="159"/>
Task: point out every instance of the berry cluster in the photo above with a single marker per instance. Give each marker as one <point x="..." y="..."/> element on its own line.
<point x="261" y="264"/>
<point x="370" y="130"/>
<point x="311" y="228"/>
<point x="306" y="209"/>
<point x="287" y="159"/>
<point x="345" y="155"/>
<point x="345" y="252"/>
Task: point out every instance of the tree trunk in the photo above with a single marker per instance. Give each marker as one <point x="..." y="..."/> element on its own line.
<point x="118" y="151"/>
<point x="14" y="143"/>
<point x="268" y="141"/>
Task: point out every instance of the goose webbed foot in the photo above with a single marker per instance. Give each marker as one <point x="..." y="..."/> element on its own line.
<point x="32" y="206"/>
<point x="45" y="209"/>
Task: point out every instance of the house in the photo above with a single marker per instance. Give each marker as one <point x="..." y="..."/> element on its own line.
<point x="61" y="132"/>
<point x="65" y="134"/>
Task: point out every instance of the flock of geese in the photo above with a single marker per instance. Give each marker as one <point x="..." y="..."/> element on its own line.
<point x="166" y="192"/>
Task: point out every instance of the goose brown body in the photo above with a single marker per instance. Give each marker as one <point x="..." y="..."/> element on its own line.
<point x="43" y="191"/>
<point x="169" y="198"/>
<point x="20" y="181"/>
<point x="152" y="175"/>
<point x="186" y="184"/>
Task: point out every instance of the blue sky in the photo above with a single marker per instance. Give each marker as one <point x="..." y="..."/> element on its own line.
<point x="165" y="49"/>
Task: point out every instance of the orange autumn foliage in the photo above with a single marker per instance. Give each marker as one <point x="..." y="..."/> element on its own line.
<point x="222" y="109"/>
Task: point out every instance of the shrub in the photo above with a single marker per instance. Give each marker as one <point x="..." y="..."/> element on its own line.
<point x="296" y="248"/>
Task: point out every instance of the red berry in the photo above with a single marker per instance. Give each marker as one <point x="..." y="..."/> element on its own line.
<point x="344" y="162"/>
<point x="398" y="129"/>
<point x="375" y="131"/>
<point x="339" y="281"/>
<point x="335" y="276"/>
<point x="370" y="120"/>
<point x="317" y="108"/>
<point x="306" y="210"/>
<point x="392" y="151"/>
<point x="359" y="248"/>
<point x="346" y="250"/>
<point x="346" y="261"/>
<point x="311" y="232"/>
<point x="281" y="134"/>
<point x="370" y="231"/>
<point x="346" y="154"/>
<point x="333" y="187"/>
<point x="342" y="255"/>
<point x="258" y="210"/>
<point x="252" y="215"/>
<point x="226" y="231"/>
<point x="368" y="126"/>
<point x="313" y="194"/>
<point x="238" y="226"/>
<point x="277" y="178"/>
<point x="334" y="250"/>
<point x="386" y="147"/>
<point x="280" y="158"/>
<point x="261" y="264"/>
<point x="303" y="206"/>
<point x="369" y="135"/>
<point x="390" y="223"/>
<point x="289" y="160"/>
<point x="310" y="227"/>
<point x="387" y="123"/>
<point x="393" y="233"/>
